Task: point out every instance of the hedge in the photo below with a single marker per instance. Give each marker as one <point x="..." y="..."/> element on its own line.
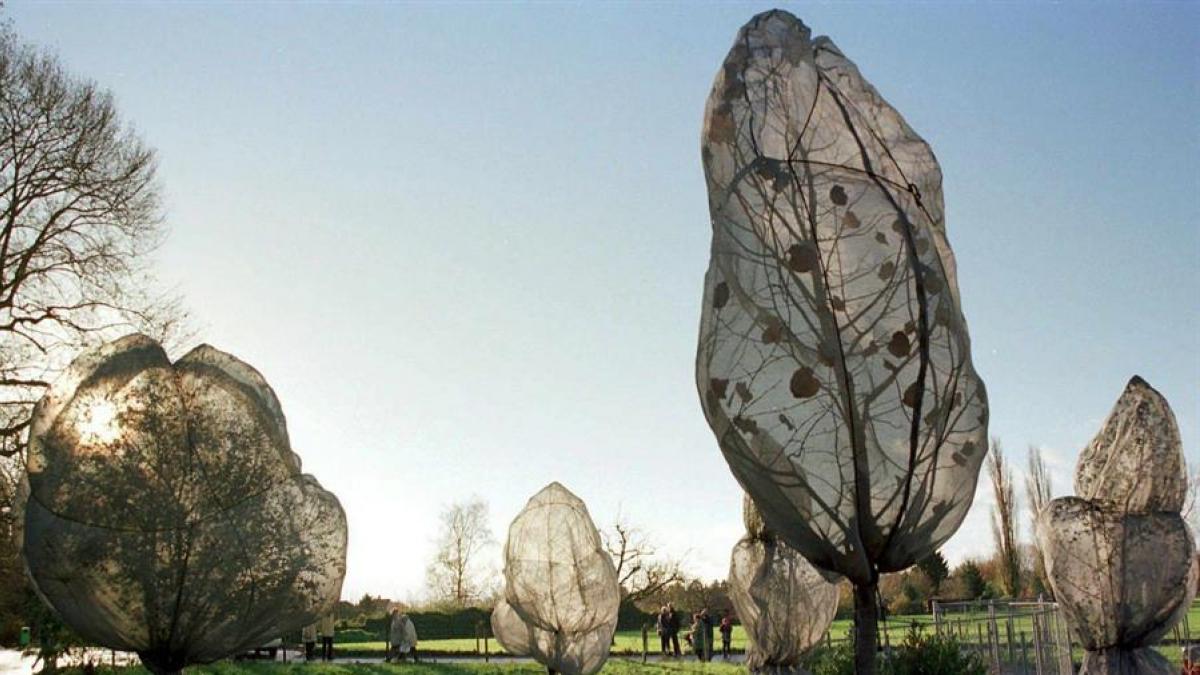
<point x="464" y="623"/>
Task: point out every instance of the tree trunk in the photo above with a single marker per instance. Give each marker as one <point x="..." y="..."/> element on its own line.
<point x="866" y="628"/>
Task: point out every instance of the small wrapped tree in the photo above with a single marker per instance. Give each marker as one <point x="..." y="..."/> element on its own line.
<point x="165" y="512"/>
<point x="1119" y="556"/>
<point x="834" y="363"/>
<point x="561" y="595"/>
<point x="785" y="604"/>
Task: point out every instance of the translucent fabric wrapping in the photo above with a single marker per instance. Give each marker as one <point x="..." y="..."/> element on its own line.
<point x="166" y="513"/>
<point x="833" y="362"/>
<point x="1122" y="561"/>
<point x="784" y="603"/>
<point x="582" y="654"/>
<point x="560" y="585"/>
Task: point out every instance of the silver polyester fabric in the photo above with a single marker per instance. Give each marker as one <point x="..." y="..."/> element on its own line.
<point x="165" y="511"/>
<point x="833" y="363"/>
<point x="784" y="603"/>
<point x="561" y="594"/>
<point x="1120" y="557"/>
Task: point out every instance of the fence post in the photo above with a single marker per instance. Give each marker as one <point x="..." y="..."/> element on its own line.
<point x="1012" y="657"/>
<point x="645" y="641"/>
<point x="993" y="636"/>
<point x="937" y="617"/>
<point x="1037" y="643"/>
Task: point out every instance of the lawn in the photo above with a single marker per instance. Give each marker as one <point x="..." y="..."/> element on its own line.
<point x="629" y="642"/>
<point x="613" y="667"/>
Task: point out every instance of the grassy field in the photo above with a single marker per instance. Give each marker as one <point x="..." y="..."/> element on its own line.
<point x="613" y="667"/>
<point x="629" y="642"/>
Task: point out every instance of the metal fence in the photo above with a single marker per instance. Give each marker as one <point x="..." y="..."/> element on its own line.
<point x="1013" y="638"/>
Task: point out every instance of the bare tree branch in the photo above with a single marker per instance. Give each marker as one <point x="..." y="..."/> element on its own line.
<point x="639" y="572"/>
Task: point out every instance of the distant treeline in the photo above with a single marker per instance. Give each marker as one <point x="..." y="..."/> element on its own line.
<point x="462" y="623"/>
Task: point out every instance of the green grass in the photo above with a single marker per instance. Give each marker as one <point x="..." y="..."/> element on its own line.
<point x="613" y="667"/>
<point x="629" y="642"/>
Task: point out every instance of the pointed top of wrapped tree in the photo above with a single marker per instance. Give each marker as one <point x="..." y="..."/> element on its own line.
<point x="558" y="575"/>
<point x="1135" y="462"/>
<point x="166" y="512"/>
<point x="834" y="362"/>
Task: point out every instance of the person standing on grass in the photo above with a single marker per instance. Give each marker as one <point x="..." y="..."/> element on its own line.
<point x="697" y="636"/>
<point x="308" y="635"/>
<point x="673" y="627"/>
<point x="706" y="623"/>
<point x="662" y="625"/>
<point x="726" y="634"/>
<point x="326" y="630"/>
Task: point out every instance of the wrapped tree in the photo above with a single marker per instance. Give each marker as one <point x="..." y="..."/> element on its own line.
<point x="1119" y="556"/>
<point x="833" y="363"/>
<point x="165" y="512"/>
<point x="785" y="604"/>
<point x="561" y="595"/>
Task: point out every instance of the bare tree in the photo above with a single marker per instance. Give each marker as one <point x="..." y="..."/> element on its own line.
<point x="1004" y="519"/>
<point x="79" y="214"/>
<point x="1038" y="490"/>
<point x="456" y="573"/>
<point x="640" y="571"/>
<point x="79" y="211"/>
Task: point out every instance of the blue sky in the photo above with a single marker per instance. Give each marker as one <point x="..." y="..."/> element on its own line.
<point x="465" y="242"/>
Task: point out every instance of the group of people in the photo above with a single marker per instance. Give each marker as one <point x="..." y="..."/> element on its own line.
<point x="323" y="630"/>
<point x="699" y="635"/>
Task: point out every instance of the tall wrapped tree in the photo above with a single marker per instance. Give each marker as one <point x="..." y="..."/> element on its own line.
<point x="165" y="512"/>
<point x="833" y="363"/>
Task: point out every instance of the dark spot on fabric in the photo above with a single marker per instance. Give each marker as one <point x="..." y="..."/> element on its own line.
<point x="910" y="395"/>
<point x="802" y="257"/>
<point x="721" y="126"/>
<point x="899" y="345"/>
<point x="746" y="425"/>
<point x="773" y="331"/>
<point x="804" y="384"/>
<point x="742" y="391"/>
<point x="886" y="270"/>
<point x="720" y="295"/>
<point x="837" y="194"/>
<point x="718" y="386"/>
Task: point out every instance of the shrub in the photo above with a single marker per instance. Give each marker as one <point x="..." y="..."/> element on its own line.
<point x="920" y="654"/>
